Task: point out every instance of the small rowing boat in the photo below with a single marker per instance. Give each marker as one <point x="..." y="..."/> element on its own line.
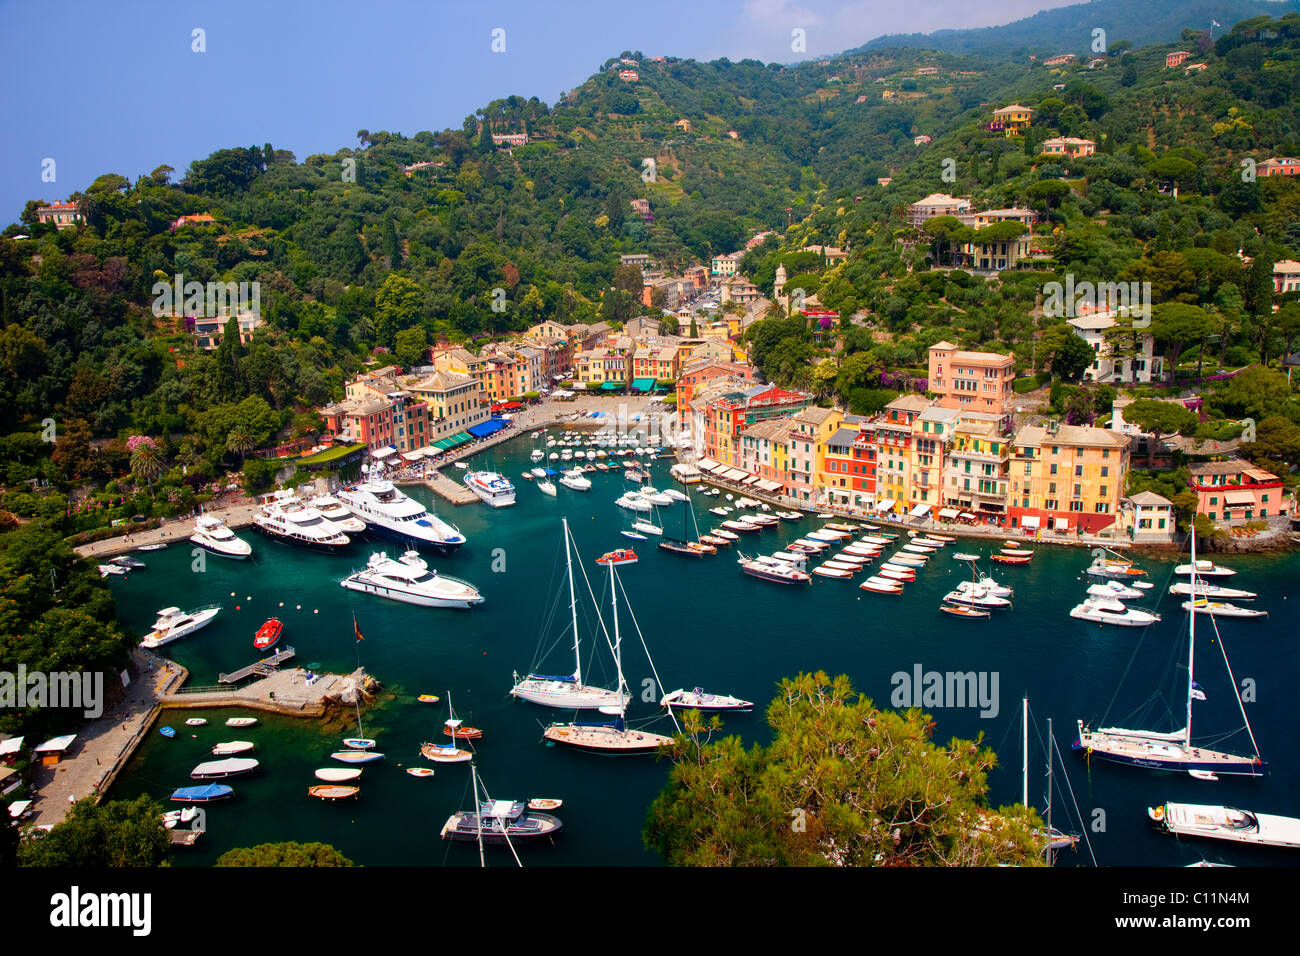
<point x="326" y="792"/>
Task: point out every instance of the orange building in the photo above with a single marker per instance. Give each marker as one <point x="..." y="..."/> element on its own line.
<point x="979" y="381"/>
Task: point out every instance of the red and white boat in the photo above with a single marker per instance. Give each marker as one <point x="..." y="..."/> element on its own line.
<point x="618" y="557"/>
<point x="1012" y="558"/>
<point x="325" y="792"/>
<point x="268" y="634"/>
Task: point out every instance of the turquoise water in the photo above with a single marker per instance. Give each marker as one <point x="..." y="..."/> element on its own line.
<point x="706" y="624"/>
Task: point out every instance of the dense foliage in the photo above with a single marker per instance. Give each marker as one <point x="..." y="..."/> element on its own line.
<point x="842" y="783"/>
<point x="115" y="833"/>
<point x="284" y="854"/>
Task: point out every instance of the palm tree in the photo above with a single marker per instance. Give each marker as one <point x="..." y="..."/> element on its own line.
<point x="147" y="461"/>
<point x="241" y="442"/>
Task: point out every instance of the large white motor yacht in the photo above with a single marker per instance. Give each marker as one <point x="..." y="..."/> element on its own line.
<point x="173" y="624"/>
<point x="388" y="511"/>
<point x="287" y="519"/>
<point x="333" y="510"/>
<point x="405" y="582"/>
<point x="493" y="488"/>
<point x="211" y="534"/>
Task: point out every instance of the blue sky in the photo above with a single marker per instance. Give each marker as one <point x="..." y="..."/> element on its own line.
<point x="116" y="87"/>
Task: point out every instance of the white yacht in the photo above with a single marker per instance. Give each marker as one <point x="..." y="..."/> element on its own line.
<point x="576" y="480"/>
<point x="1114" y="589"/>
<point x="401" y="581"/>
<point x="1201" y="589"/>
<point x="1221" y="609"/>
<point x="654" y="496"/>
<point x="975" y="595"/>
<point x="536" y="455"/>
<point x="211" y="534"/>
<point x="633" y="502"/>
<point x="173" y="624"/>
<point x="388" y="511"/>
<point x="287" y="519"/>
<point x="698" y="700"/>
<point x="333" y="510"/>
<point x="1226" y="823"/>
<point x="493" y="488"/>
<point x="1204" y="569"/>
<point x="1109" y="610"/>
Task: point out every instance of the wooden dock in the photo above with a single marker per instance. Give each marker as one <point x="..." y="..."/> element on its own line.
<point x="445" y="488"/>
<point x="263" y="668"/>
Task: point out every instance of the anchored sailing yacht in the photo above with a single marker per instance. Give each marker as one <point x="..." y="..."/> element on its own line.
<point x="609" y="737"/>
<point x="568" y="692"/>
<point x="1226" y="823"/>
<point x="211" y="534"/>
<point x="388" y="511"/>
<point x="1174" y="750"/>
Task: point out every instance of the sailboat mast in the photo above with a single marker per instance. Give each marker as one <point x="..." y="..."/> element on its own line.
<point x="618" y="645"/>
<point x="1024" y="747"/>
<point x="1050" y="740"/>
<point x="478" y="815"/>
<point x="573" y="607"/>
<point x="1191" y="645"/>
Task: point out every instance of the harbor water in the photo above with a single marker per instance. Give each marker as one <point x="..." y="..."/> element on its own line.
<point x="705" y="624"/>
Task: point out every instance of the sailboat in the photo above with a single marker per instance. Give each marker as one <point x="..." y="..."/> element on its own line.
<point x="694" y="549"/>
<point x="498" y="821"/>
<point x="608" y="737"/>
<point x="1174" y="750"/>
<point x="567" y="692"/>
<point x="455" y="727"/>
<point x="359" y="742"/>
<point x="1053" y="838"/>
<point x="446" y="753"/>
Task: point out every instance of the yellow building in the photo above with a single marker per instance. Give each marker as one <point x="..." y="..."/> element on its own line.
<point x="807" y="449"/>
<point x="1067" y="477"/>
<point x="932" y="430"/>
<point x="1014" y="119"/>
<point x="976" y="473"/>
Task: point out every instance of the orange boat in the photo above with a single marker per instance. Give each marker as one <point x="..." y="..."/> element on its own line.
<point x="458" y="731"/>
<point x="618" y="557"/>
<point x="959" y="610"/>
<point x="268" y="634"/>
<point x="1012" y="558"/>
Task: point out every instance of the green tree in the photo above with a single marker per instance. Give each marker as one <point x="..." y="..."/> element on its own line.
<point x="842" y="783"/>
<point x="410" y="347"/>
<point x="241" y="442"/>
<point x="1161" y="419"/>
<point x="146" y="459"/>
<point x="284" y="854"/>
<point x="397" y="307"/>
<point x="116" y="833"/>
<point x="1176" y="325"/>
<point x="1065" y="353"/>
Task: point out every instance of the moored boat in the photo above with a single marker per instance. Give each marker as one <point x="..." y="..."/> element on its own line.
<point x="1226" y="823"/>
<point x="214" y="769"/>
<point x="619" y="556"/>
<point x="697" y="699"/>
<point x="1221" y="609"/>
<point x="333" y="792"/>
<point x="963" y="610"/>
<point x="338" y="774"/>
<point x="268" y="634"/>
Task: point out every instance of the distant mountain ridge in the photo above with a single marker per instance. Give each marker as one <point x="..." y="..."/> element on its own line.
<point x="1069" y="29"/>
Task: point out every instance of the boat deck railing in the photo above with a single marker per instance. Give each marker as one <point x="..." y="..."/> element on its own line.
<point x="262" y="668"/>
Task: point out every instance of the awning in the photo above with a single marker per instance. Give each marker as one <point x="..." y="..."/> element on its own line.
<point x="734" y="474"/>
<point x="1029" y="521"/>
<point x="642" y="384"/>
<point x="706" y="464"/>
<point x="919" y="510"/>
<point x="611" y="386"/>
<point x="483" y="429"/>
<point x="769" y="485"/>
<point x="947" y="512"/>
<point x="461" y="437"/>
<point x="444" y="444"/>
<point x="1239" y="498"/>
<point x="11" y="746"/>
<point x="968" y="516"/>
<point x="886" y="505"/>
<point x="18" y="807"/>
<point x="750" y="480"/>
<point x="411" y="455"/>
<point x="384" y="452"/>
<point x="1062" y="524"/>
<point x="56" y="744"/>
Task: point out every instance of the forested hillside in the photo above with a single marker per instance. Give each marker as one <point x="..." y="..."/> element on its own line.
<point x="352" y="252"/>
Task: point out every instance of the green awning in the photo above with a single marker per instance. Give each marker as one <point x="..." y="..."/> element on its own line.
<point x="642" y="384"/>
<point x="461" y="438"/>
<point x="611" y="386"/>
<point x="444" y="444"/>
